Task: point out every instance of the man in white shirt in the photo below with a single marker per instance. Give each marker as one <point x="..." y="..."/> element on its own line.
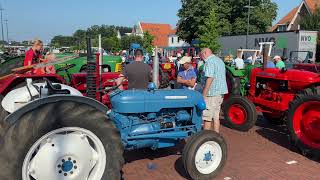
<point x="239" y="61"/>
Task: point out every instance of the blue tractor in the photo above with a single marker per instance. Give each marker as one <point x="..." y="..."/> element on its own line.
<point x="50" y="131"/>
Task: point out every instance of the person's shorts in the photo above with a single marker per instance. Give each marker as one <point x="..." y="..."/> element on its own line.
<point x="213" y="108"/>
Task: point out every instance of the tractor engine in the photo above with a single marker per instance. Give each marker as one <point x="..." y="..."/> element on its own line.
<point x="133" y="125"/>
<point x="156" y="118"/>
<point x="271" y="89"/>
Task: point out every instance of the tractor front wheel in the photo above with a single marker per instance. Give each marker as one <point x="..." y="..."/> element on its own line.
<point x="204" y="155"/>
<point x="62" y="141"/>
<point x="304" y="122"/>
<point x="239" y="113"/>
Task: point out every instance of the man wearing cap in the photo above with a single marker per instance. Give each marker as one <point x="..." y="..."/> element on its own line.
<point x="279" y="63"/>
<point x="215" y="87"/>
<point x="138" y="73"/>
<point x="187" y="78"/>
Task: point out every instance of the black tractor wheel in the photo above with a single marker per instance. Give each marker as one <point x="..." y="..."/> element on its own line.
<point x="239" y="113"/>
<point x="234" y="85"/>
<point x="204" y="155"/>
<point x="3" y="115"/>
<point x="62" y="139"/>
<point x="164" y="79"/>
<point x="304" y="122"/>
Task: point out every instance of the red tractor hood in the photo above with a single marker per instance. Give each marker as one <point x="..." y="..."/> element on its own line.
<point x="296" y="78"/>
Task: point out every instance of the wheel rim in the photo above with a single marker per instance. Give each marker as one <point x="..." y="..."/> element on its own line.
<point x="70" y="153"/>
<point x="306" y="123"/>
<point x="237" y="114"/>
<point x="208" y="157"/>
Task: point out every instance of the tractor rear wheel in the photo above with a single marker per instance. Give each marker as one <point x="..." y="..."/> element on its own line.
<point x="239" y="113"/>
<point x="3" y="115"/>
<point x="304" y="122"/>
<point x="60" y="140"/>
<point x="204" y="155"/>
<point x="233" y="85"/>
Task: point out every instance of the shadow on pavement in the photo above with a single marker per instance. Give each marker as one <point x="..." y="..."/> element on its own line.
<point x="180" y="169"/>
<point x="277" y="134"/>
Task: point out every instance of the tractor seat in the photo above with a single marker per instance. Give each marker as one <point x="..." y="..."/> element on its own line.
<point x="56" y="89"/>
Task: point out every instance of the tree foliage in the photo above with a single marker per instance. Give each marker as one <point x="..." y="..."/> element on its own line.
<point x="126" y="41"/>
<point x="209" y="32"/>
<point x="109" y="41"/>
<point x="147" y="42"/>
<point x="108" y="33"/>
<point x="312" y="23"/>
<point x="231" y="15"/>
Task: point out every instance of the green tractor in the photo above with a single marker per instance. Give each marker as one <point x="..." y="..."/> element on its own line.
<point x="109" y="64"/>
<point x="238" y="78"/>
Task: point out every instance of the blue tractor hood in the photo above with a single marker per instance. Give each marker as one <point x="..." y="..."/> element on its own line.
<point x="144" y="101"/>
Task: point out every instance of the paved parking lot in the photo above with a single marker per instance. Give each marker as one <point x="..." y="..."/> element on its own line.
<point x="263" y="153"/>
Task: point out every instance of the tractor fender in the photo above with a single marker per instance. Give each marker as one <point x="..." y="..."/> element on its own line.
<point x="12" y="118"/>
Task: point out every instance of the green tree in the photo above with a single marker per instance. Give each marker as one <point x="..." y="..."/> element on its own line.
<point x="126" y="41"/>
<point x="209" y="32"/>
<point x="148" y="42"/>
<point x="231" y="14"/>
<point x="312" y="23"/>
<point x="111" y="44"/>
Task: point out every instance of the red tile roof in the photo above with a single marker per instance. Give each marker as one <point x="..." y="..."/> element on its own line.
<point x="159" y="31"/>
<point x="311" y="4"/>
<point x="287" y="19"/>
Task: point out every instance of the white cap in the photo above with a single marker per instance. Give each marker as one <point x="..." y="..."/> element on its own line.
<point x="185" y="59"/>
<point x="276" y="57"/>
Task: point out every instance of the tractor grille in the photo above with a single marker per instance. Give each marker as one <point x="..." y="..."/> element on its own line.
<point x="91" y="80"/>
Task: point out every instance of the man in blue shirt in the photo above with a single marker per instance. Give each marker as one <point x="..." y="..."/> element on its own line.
<point x="215" y="87"/>
<point x="187" y="78"/>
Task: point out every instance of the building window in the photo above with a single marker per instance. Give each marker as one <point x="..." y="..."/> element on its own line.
<point x="172" y="40"/>
<point x="282" y="28"/>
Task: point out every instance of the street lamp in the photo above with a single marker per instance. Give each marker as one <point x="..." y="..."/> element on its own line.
<point x="249" y="7"/>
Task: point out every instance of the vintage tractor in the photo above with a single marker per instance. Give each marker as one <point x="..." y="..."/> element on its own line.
<point x="281" y="95"/>
<point x="302" y="60"/>
<point x="53" y="132"/>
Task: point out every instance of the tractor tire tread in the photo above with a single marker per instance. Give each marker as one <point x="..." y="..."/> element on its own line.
<point x="36" y="123"/>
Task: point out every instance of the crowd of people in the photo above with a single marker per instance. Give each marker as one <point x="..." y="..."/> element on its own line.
<point x="209" y="78"/>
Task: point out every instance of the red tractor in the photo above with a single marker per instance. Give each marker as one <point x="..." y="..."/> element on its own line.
<point x="289" y="95"/>
<point x="93" y="78"/>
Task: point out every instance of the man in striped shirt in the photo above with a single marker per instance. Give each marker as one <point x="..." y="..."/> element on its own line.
<point x="215" y="87"/>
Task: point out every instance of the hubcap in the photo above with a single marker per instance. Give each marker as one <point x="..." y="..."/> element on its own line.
<point x="67" y="153"/>
<point x="208" y="157"/>
<point x="306" y="123"/>
<point x="237" y="114"/>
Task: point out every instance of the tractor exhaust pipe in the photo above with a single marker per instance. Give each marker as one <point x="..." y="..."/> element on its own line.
<point x="91" y="72"/>
<point x="156" y="68"/>
<point x="265" y="56"/>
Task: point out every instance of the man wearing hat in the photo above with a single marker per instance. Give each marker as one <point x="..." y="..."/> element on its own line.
<point x="279" y="63"/>
<point x="187" y="77"/>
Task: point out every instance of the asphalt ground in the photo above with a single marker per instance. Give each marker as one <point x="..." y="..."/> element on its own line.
<point x="263" y="153"/>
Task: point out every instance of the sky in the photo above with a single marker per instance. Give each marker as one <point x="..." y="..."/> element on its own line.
<point x="30" y="19"/>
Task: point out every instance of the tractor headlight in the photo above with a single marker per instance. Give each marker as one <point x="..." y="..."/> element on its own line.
<point x="201" y="105"/>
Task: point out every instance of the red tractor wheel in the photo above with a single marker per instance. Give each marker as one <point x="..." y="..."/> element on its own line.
<point x="304" y="122"/>
<point x="239" y="113"/>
